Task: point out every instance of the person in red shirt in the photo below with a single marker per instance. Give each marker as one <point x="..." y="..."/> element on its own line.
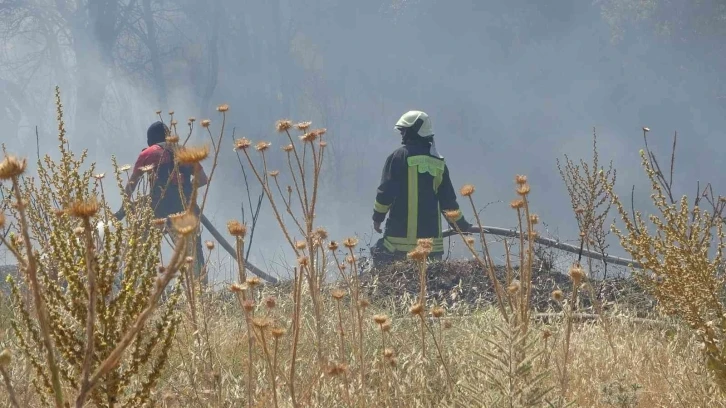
<point x="167" y="197"/>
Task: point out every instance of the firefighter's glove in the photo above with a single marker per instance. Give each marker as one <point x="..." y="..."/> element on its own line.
<point x="377" y="226"/>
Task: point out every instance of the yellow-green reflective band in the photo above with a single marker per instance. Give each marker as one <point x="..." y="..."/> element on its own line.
<point x="380" y="207"/>
<point x="408" y="245"/>
<point x="427" y="164"/>
<point x="412" y="227"/>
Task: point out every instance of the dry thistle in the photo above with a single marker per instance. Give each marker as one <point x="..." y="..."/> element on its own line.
<point x="467" y="190"/>
<point x="418" y="255"/>
<point x="242" y="144"/>
<point x="270" y="302"/>
<point x="99" y="176"/>
<point x="11" y="167"/>
<point x="303" y="261"/>
<point x="236" y="229"/>
<point x="274" y="173"/>
<point x="248" y="305"/>
<point x="416" y="309"/>
<point x="333" y="246"/>
<point x="205" y="123"/>
<point x="261" y="322"/>
<point x="253" y="281"/>
<point x="337" y="294"/>
<point x="517" y="204"/>
<point x="83" y="208"/>
<point x="534" y="219"/>
<point x="278" y="332"/>
<point x="386" y="327"/>
<point x="514" y="287"/>
<point x="236" y="288"/>
<point x="283" y="125"/>
<point x="223" y="108"/>
<point x="287" y="148"/>
<point x="309" y="137"/>
<point x="520" y="179"/>
<point x="437" y="312"/>
<point x="350" y="243"/>
<point x="380" y="318"/>
<point x="576" y="274"/>
<point x="172" y="139"/>
<point x="209" y="245"/>
<point x="262" y="146"/>
<point x="192" y="119"/>
<point x="523" y="189"/>
<point x="364" y="303"/>
<point x="558" y="295"/>
<point x="192" y="155"/>
<point x="300" y="245"/>
<point x="125" y="167"/>
<point x="452" y="215"/>
<point x="184" y="223"/>
<point x="302" y="126"/>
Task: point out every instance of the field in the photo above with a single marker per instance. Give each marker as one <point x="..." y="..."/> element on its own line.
<point x="98" y="317"/>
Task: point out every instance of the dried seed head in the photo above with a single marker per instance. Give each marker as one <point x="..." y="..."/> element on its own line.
<point x="534" y="219"/>
<point x="189" y="260"/>
<point x="437" y="312"/>
<point x="416" y="309"/>
<point x="469" y="240"/>
<point x="5" y="358"/>
<point x="309" y="137"/>
<point x="452" y="215"/>
<point x="274" y="173"/>
<point x="447" y="324"/>
<point x="558" y="295"/>
<point x="262" y="146"/>
<point x="158" y="222"/>
<point x="337" y="294"/>
<point x="147" y="168"/>
<point x="209" y="245"/>
<point x="99" y="176"/>
<point x="242" y="144"/>
<point x="417" y="255"/>
<point x="517" y="204"/>
<point x="520" y="179"/>
<point x="171" y="112"/>
<point x="546" y="333"/>
<point x="173" y="122"/>
<point x="236" y="287"/>
<point x="253" y="281"/>
<point x="83" y="208"/>
<point x="192" y="119"/>
<point x="236" y="229"/>
<point x="192" y="155"/>
<point x="321" y="233"/>
<point x="302" y="126"/>
<point x="388" y="353"/>
<point x="333" y="246"/>
<point x="645" y="129"/>
<point x="223" y="108"/>
<point x="467" y="190"/>
<point x="335" y="370"/>
<point x="350" y="259"/>
<point x="270" y="302"/>
<point x="287" y="148"/>
<point x="283" y="125"/>
<point x="393" y="361"/>
<point x="350" y="243"/>
<point x="303" y="261"/>
<point x="364" y="303"/>
<point x="261" y="322"/>
<point x="523" y="189"/>
<point x="172" y="139"/>
<point x="380" y="318"/>
<point x="184" y="223"/>
<point x="158" y="112"/>
<point x="386" y="327"/>
<point x="426" y="244"/>
<point x="300" y="245"/>
<point x="514" y="287"/>
<point x="278" y="332"/>
<point x="323" y="143"/>
<point x="125" y="167"/>
<point x="576" y="274"/>
<point x="205" y="123"/>
<point x="248" y="305"/>
<point x="533" y="234"/>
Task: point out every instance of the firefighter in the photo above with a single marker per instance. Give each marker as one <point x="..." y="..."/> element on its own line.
<point x="166" y="195"/>
<point x="415" y="189"/>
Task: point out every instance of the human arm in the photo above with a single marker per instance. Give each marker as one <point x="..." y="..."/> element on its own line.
<point x="387" y="189"/>
<point x="200" y="176"/>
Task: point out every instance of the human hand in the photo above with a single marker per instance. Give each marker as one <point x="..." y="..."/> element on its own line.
<point x="377" y="226"/>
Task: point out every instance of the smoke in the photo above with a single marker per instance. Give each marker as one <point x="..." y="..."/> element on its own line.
<point x="509" y="86"/>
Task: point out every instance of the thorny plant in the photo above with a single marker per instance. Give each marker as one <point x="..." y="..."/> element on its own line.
<point x="94" y="328"/>
<point x="681" y="260"/>
<point x="588" y="185"/>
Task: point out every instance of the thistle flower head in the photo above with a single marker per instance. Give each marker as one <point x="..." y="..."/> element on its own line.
<point x="416" y="309"/>
<point x="85" y="208"/>
<point x="209" y="245"/>
<point x="333" y="246"/>
<point x="283" y="125"/>
<point x="236" y="229"/>
<point x="452" y="215"/>
<point x="558" y="295"/>
<point x="270" y="302"/>
<point x="242" y="144"/>
<point x="125" y="167"/>
<point x="172" y="139"/>
<point x="380" y="318"/>
<point x="302" y="126"/>
<point x="11" y="167"/>
<point x="99" y="176"/>
<point x="437" y="312"/>
<point x="364" y="303"/>
<point x="262" y="146"/>
<point x="223" y="108"/>
<point x="300" y="245"/>
<point x="192" y="155"/>
<point x="520" y="179"/>
<point x="274" y="173"/>
<point x="523" y="189"/>
<point x="517" y="204"/>
<point x="287" y="148"/>
<point x="321" y="233"/>
<point x="184" y="223"/>
<point x="467" y="190"/>
<point x="261" y="322"/>
<point x="337" y="294"/>
<point x="253" y="281"/>
<point x="514" y="287"/>
<point x="303" y="261"/>
<point x="350" y="243"/>
<point x="205" y="123"/>
<point x="146" y="169"/>
<point x="534" y="219"/>
<point x="309" y="137"/>
<point x="278" y="332"/>
<point x="192" y="119"/>
<point x="576" y="274"/>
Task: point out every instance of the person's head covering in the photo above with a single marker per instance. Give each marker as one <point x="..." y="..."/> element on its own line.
<point x="156" y="133"/>
<point x="418" y="124"/>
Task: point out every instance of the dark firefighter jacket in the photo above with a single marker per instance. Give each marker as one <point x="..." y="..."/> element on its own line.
<point x="166" y="198"/>
<point x="415" y="188"/>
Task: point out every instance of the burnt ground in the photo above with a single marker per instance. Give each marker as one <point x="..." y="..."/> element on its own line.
<point x="465" y="283"/>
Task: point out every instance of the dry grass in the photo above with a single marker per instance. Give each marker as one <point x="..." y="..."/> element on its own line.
<point x="309" y="343"/>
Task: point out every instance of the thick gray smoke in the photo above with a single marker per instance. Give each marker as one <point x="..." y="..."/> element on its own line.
<point x="510" y="87"/>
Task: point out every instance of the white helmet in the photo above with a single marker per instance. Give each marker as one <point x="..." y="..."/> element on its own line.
<point x="409" y="119"/>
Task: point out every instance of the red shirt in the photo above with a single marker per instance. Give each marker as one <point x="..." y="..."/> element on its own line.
<point x="155" y="155"/>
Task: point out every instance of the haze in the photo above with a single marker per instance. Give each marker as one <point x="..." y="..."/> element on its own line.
<point x="510" y="87"/>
